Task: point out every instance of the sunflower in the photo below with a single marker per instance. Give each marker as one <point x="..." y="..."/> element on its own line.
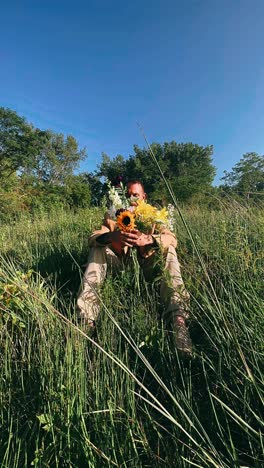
<point x="126" y="221"/>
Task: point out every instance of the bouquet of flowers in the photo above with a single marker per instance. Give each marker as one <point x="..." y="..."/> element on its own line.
<point x="144" y="217"/>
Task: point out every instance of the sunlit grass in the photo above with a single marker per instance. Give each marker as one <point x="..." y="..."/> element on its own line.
<point x="124" y="397"/>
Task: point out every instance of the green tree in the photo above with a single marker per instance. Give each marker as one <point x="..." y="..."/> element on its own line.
<point x="78" y="193"/>
<point x="49" y="157"/>
<point x="57" y="159"/>
<point x="141" y="166"/>
<point x="187" y="167"/>
<point x="97" y="188"/>
<point x="20" y="143"/>
<point x="247" y="176"/>
<point x="112" y="168"/>
<point x="12" y="196"/>
<point x="36" y="167"/>
<point x="192" y="169"/>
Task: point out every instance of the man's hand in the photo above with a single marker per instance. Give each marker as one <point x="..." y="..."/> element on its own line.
<point x="120" y="239"/>
<point x="141" y="240"/>
<point x="123" y="239"/>
<point x="132" y="238"/>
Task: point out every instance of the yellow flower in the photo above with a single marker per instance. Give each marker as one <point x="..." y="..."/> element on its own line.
<point x="162" y="216"/>
<point x="145" y="212"/>
<point x="149" y="218"/>
<point x="126" y="221"/>
<point x="145" y="216"/>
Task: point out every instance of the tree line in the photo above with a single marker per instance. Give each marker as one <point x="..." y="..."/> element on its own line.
<point x="38" y="170"/>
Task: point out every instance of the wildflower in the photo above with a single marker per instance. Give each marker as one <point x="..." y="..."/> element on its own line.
<point x="171" y="216"/>
<point x="116" y="197"/>
<point x="148" y="217"/>
<point x="162" y="216"/>
<point x="145" y="212"/>
<point x="126" y="221"/>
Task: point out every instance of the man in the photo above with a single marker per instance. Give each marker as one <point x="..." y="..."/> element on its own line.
<point x="107" y="248"/>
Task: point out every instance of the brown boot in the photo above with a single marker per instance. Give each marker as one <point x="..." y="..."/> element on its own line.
<point x="182" y="338"/>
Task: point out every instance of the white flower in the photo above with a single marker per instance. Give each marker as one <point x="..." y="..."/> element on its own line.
<point x="117" y="196"/>
<point x="114" y="196"/>
<point x="171" y="217"/>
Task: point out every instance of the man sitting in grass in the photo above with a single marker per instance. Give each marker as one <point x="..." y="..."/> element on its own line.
<point x="109" y="246"/>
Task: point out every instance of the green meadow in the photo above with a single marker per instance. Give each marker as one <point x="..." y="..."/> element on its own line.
<point x="123" y="397"/>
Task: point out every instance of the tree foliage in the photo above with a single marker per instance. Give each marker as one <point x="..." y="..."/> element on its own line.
<point x="247" y="176"/>
<point x="112" y="168"/>
<point x="37" y="166"/>
<point x="77" y="191"/>
<point x="20" y="143"/>
<point x="37" y="169"/>
<point x="57" y="158"/>
<point x="48" y="156"/>
<point x="97" y="188"/>
<point x="187" y="167"/>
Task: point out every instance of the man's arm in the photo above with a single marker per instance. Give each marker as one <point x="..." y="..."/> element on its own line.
<point x="113" y="239"/>
<point x="104" y="239"/>
<point x="165" y="239"/>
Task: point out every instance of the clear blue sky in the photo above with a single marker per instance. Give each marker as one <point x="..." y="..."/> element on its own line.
<point x="188" y="70"/>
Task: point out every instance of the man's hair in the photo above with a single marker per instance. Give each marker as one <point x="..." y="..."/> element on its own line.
<point x="135" y="181"/>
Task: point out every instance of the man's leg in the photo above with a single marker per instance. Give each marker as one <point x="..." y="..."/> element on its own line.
<point x="172" y="291"/>
<point x="173" y="295"/>
<point x="99" y="260"/>
<point x="177" y="300"/>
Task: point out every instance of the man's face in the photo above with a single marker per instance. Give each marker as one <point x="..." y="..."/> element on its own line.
<point x="136" y="192"/>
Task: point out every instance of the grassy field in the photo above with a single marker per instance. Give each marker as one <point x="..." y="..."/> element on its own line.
<point x="125" y="398"/>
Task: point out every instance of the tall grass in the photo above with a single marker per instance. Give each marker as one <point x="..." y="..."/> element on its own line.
<point x="124" y="397"/>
